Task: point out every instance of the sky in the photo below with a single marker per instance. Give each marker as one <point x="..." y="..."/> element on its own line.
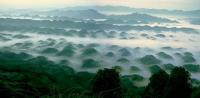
<point x="158" y="4"/>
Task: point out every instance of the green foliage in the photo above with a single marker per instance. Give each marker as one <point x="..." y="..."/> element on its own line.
<point x="196" y="93"/>
<point x="67" y="51"/>
<point x="117" y="68"/>
<point x="129" y="89"/>
<point x="136" y="77"/>
<point x="178" y="85"/>
<point x="133" y="77"/>
<point x="188" y="54"/>
<point x="134" y="69"/>
<point x="84" y="78"/>
<point x="192" y="67"/>
<point x="89" y="52"/>
<point x="22" y="76"/>
<point x="156" y="86"/>
<point x="90" y="63"/>
<point x="195" y="82"/>
<point x="188" y="57"/>
<point x="154" y="69"/>
<point x="169" y="66"/>
<point x="110" y="54"/>
<point x="150" y="60"/>
<point x="124" y="51"/>
<point x="50" y="51"/>
<point x="164" y="55"/>
<point x="123" y="60"/>
<point x="107" y="84"/>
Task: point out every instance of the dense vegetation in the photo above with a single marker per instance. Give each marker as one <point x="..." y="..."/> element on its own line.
<point x="23" y="76"/>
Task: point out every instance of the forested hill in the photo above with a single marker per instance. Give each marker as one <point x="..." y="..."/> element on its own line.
<point x="24" y="76"/>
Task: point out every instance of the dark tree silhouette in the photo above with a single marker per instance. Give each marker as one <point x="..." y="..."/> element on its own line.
<point x="107" y="84"/>
<point x="178" y="85"/>
<point x="196" y="93"/>
<point x="155" y="88"/>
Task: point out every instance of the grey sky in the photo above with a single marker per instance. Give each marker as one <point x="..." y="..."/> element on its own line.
<point x="161" y="4"/>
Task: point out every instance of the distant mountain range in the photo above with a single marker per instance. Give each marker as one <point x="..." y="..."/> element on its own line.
<point x="86" y="13"/>
<point x="131" y="16"/>
<point x="79" y="14"/>
<point x="103" y="9"/>
<point x="194" y="13"/>
<point x="113" y="19"/>
<point x="125" y="9"/>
